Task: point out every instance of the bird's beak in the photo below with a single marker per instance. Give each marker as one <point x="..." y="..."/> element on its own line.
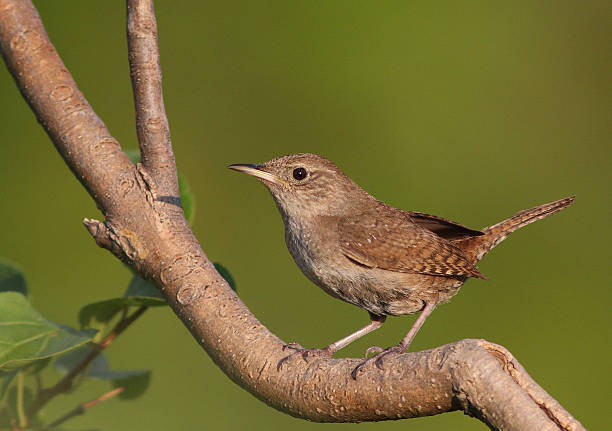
<point x="256" y="171"/>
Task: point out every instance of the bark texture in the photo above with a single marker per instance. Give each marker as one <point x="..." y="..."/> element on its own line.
<point x="145" y="227"/>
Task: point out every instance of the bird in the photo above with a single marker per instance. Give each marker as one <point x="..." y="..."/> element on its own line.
<point x="358" y="249"/>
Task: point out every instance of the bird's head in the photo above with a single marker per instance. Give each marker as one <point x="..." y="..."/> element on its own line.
<point x="306" y="185"/>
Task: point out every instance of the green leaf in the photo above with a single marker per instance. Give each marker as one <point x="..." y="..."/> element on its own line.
<point x="226" y="274"/>
<point x="187" y="198"/>
<point x="36" y="367"/>
<point x="11" y="278"/>
<point x="139" y="293"/>
<point x="7" y="377"/>
<point x="135" y="382"/>
<point x="134" y="155"/>
<point x="11" y="406"/>
<point x="27" y="337"/>
<point x="141" y="288"/>
<point x="10" y="410"/>
<point x="97" y="314"/>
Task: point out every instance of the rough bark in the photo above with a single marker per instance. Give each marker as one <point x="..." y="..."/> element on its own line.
<point x="145" y="227"/>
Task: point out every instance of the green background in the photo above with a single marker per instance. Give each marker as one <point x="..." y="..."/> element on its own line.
<point x="468" y="110"/>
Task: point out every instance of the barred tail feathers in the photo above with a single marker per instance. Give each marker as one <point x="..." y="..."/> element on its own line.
<point x="476" y="247"/>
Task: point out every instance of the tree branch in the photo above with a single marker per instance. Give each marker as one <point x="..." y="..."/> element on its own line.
<point x="146" y="230"/>
<point x="151" y="121"/>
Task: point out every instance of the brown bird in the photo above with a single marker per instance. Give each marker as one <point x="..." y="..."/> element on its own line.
<point x="365" y="252"/>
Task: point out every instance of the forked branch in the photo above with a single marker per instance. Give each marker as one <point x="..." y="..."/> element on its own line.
<point x="145" y="227"/>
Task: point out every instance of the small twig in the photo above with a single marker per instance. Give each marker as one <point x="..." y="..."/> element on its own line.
<point x="120" y="327"/>
<point x="81" y="409"/>
<point x="21" y="417"/>
<point x="45" y="395"/>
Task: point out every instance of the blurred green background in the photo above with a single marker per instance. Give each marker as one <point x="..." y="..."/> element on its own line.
<point x="468" y="110"/>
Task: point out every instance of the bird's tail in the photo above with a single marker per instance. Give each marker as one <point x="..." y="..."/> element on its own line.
<point x="476" y="247"/>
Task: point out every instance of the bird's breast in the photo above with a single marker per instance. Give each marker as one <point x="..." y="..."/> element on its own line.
<point x="314" y="249"/>
<point x="304" y="247"/>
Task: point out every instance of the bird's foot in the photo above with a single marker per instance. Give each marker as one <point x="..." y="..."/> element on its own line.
<point x="304" y="353"/>
<point x="378" y="359"/>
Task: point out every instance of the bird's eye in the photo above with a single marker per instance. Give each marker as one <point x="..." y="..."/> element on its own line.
<point x="299" y="173"/>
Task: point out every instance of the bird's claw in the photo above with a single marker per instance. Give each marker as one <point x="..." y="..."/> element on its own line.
<point x="373" y="349"/>
<point x="377" y="359"/>
<point x="294" y="346"/>
<point x="303" y="352"/>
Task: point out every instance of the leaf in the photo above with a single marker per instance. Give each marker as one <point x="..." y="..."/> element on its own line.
<point x="66" y="363"/>
<point x="135" y="382"/>
<point x="36" y="367"/>
<point x="97" y="314"/>
<point x="139" y="293"/>
<point x="187" y="198"/>
<point x="27" y="337"/>
<point x="11" y="406"/>
<point x="226" y="275"/>
<point x="11" y="278"/>
<point x="7" y="377"/>
<point x="133" y="155"/>
<point x="141" y="288"/>
<point x="9" y="414"/>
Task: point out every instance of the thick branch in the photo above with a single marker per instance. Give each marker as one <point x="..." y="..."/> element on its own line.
<point x="152" y="235"/>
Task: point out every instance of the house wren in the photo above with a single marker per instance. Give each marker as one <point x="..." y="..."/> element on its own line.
<point x="365" y="252"/>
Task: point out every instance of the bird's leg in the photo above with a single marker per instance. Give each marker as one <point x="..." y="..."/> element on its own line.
<point x="375" y="323"/>
<point x="402" y="346"/>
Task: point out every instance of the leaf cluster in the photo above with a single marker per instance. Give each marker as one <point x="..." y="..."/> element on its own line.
<point x="29" y="343"/>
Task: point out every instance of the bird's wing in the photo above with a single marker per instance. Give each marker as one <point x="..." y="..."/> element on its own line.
<point x="447" y="229"/>
<point x="390" y="240"/>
